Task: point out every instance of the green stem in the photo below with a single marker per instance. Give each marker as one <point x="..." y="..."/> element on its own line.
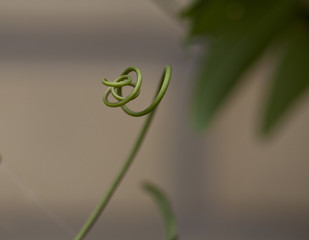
<point x="97" y="212"/>
<point x="150" y="111"/>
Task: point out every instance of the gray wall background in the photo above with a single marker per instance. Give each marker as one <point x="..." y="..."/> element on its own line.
<point x="58" y="139"/>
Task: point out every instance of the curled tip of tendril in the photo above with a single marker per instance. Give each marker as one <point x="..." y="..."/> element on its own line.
<point x="115" y="89"/>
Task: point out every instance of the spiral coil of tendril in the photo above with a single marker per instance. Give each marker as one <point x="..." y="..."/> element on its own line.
<point x="115" y="89"/>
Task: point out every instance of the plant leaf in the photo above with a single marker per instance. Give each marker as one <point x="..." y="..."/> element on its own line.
<point x="217" y="16"/>
<point x="165" y="208"/>
<point x="231" y="52"/>
<point x="292" y="77"/>
<point x="213" y="16"/>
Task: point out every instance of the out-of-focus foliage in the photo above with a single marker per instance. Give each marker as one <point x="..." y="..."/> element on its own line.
<point x="236" y="33"/>
<point x="163" y="204"/>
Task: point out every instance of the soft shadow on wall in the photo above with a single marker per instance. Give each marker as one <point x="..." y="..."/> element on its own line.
<point x="58" y="138"/>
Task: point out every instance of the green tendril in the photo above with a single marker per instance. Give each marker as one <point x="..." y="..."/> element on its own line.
<point x="115" y="89"/>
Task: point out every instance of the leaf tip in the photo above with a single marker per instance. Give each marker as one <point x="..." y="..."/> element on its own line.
<point x="166" y="211"/>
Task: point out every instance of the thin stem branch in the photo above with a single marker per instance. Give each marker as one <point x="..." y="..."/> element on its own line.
<point x="97" y="212"/>
<point x="116" y="87"/>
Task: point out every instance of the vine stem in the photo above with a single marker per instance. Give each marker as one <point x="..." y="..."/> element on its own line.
<point x="97" y="212"/>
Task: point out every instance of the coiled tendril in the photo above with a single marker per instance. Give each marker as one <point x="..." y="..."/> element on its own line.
<point x="115" y="89"/>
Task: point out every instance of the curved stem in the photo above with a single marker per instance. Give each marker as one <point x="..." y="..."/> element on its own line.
<point x="97" y="212"/>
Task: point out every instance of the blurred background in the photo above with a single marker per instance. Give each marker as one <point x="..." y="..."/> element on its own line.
<point x="58" y="139"/>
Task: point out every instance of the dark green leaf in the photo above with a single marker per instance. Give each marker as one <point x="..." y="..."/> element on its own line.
<point x="292" y="77"/>
<point x="230" y="54"/>
<point x="217" y="16"/>
<point x="165" y="208"/>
